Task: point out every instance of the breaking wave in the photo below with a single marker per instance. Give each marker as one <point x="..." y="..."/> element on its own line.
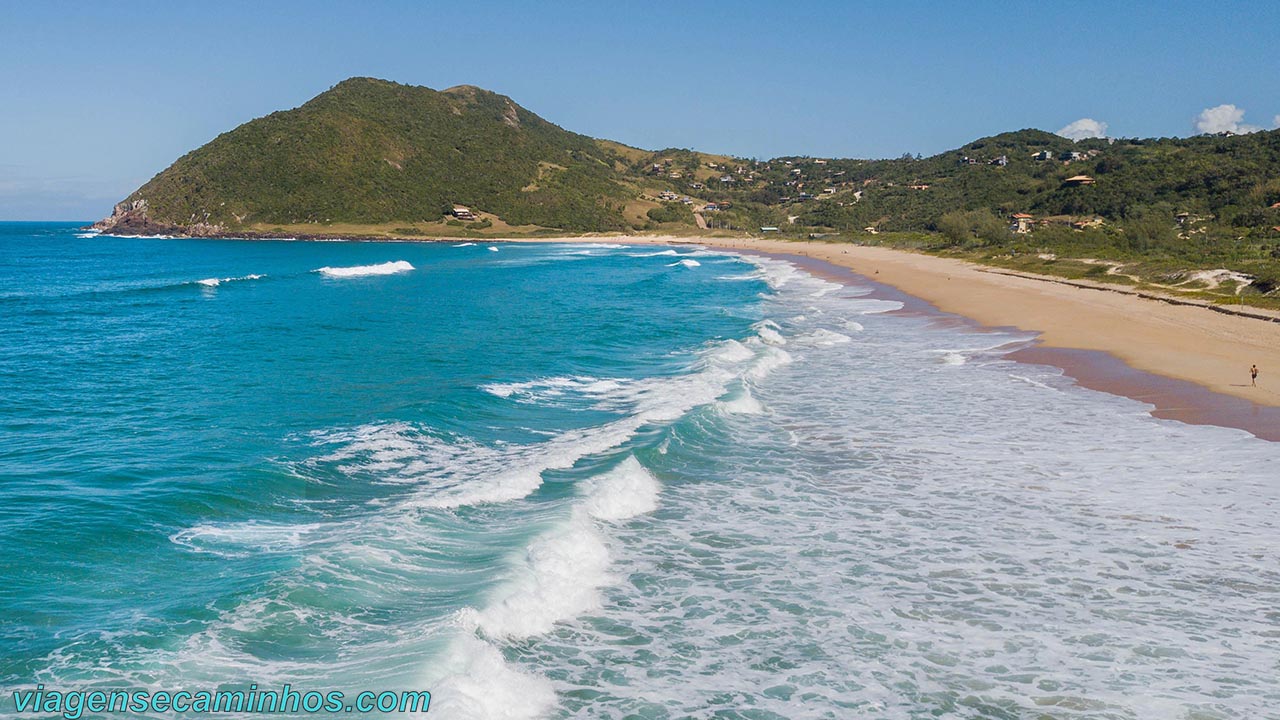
<point x="215" y="282"/>
<point x="386" y="268"/>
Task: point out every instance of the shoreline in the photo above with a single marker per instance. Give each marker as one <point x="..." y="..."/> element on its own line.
<point x="1179" y="358"/>
<point x="1187" y="360"/>
<point x="1172" y="399"/>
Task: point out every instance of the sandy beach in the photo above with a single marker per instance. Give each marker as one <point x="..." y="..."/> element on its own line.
<point x="1193" y="348"/>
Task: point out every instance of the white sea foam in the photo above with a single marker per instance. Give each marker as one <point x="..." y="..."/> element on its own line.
<point x="557" y="577"/>
<point x="741" y="403"/>
<point x="625" y="492"/>
<point x="215" y="282"/>
<point x="465" y="244"/>
<point x="769" y="360"/>
<point x="732" y="351"/>
<point x="386" y="268"/>
<point x="1033" y="382"/>
<point x="479" y="684"/>
<point x="768" y="332"/>
<point x="560" y="574"/>
<point x="824" y="337"/>
<point x="449" y="472"/>
<point x="590" y="246"/>
<point x="872" y="306"/>
<point x="776" y="273"/>
<point x="685" y="263"/>
<point x="245" y="538"/>
<point x="560" y="390"/>
<point x="959" y="356"/>
<point x="493" y="248"/>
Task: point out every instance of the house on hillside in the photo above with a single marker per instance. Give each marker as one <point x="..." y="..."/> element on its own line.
<point x="1042" y="156"/>
<point x="1022" y="223"/>
<point x="1077" y="181"/>
<point x="463" y="213"/>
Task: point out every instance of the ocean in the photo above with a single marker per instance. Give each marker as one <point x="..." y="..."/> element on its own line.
<point x="597" y="481"/>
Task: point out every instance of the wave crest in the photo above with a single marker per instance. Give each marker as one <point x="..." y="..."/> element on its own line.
<point x="386" y="268"/>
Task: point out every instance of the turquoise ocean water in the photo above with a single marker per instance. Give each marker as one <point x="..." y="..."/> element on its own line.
<point x="597" y="481"/>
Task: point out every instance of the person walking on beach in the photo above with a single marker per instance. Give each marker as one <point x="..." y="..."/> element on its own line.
<point x="1253" y="375"/>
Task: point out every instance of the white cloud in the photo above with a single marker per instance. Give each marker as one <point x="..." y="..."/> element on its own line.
<point x="1275" y="121"/>
<point x="1084" y="128"/>
<point x="1223" y="118"/>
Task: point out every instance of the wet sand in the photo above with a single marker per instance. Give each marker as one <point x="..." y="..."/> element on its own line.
<point x="1172" y="399"/>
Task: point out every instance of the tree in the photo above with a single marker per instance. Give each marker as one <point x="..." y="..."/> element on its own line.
<point x="963" y="227"/>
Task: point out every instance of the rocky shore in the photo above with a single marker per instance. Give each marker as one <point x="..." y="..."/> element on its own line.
<point x="131" y="217"/>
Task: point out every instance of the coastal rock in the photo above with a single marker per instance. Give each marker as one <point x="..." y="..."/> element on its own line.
<point x="131" y="217"/>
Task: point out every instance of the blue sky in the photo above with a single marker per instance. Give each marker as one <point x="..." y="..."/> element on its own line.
<point x="95" y="98"/>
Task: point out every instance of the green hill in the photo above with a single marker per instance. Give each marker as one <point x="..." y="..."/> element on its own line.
<point x="370" y="151"/>
<point x="371" y="157"/>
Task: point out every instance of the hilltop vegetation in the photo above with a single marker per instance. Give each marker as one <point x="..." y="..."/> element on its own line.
<point x="1224" y="182"/>
<point x="396" y="159"/>
<point x="371" y="151"/>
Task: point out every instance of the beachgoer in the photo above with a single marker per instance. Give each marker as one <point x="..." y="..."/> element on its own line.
<point x="1253" y="375"/>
